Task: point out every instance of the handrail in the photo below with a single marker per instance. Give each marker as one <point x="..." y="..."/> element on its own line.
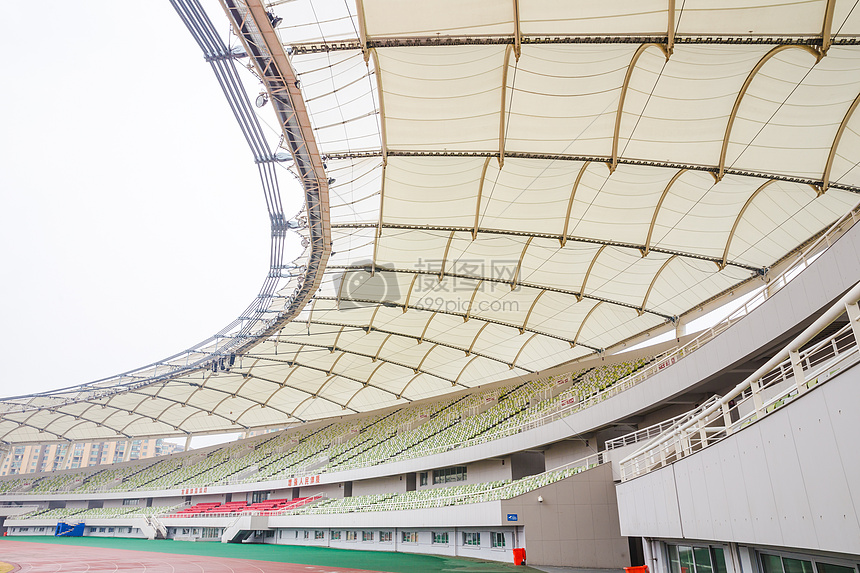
<point x="471" y="497"/>
<point x="655" y="430"/>
<point x="789" y="374"/>
<point x="241" y="512"/>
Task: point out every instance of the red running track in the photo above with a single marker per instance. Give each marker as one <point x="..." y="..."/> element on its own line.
<point x="50" y="558"/>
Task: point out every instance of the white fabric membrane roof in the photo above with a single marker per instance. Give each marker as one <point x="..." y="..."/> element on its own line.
<point x="531" y="182"/>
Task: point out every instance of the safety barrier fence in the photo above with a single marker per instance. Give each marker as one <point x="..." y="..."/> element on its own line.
<point x="789" y="374"/>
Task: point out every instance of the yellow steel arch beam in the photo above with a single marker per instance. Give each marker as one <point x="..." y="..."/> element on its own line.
<point x="318" y="393"/>
<point x="471" y="300"/>
<point x="417" y="369"/>
<point x="426" y="326"/>
<point x="400" y="394"/>
<point x="738" y="220"/>
<point x="639" y="51"/>
<point x="647" y="248"/>
<point x="336" y="338"/>
<point x="460" y="375"/>
<point x="409" y="293"/>
<point x="333" y="364"/>
<point x="825" y="178"/>
<point x="373" y="317"/>
<point x="582" y="324"/>
<point x="721" y="168"/>
<point x="563" y="239"/>
<point x="518" y="35"/>
<point x="22" y="424"/>
<point x="520" y="263"/>
<point x="520" y="351"/>
<point x="670" y="37"/>
<point x="375" y="370"/>
<point x="475" y="339"/>
<point x="378" y="234"/>
<point x="588" y="273"/>
<point x="362" y="29"/>
<point x="477" y="207"/>
<point x="445" y="256"/>
<point x="345" y="406"/>
<point x="653" y="281"/>
<point x="383" y="132"/>
<point x="376" y="357"/>
<point x="418" y="339"/>
<point x="827" y="27"/>
<point x="529" y="313"/>
<point x="300" y="404"/>
<point x="505" y="65"/>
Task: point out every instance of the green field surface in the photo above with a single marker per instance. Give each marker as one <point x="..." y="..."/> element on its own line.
<point x="324" y="556"/>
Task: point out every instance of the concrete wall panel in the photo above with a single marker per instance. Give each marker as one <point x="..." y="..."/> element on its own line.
<point x="789" y="480"/>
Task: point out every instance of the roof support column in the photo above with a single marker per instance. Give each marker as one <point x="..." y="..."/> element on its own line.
<point x="187" y="442"/>
<point x="126" y="454"/>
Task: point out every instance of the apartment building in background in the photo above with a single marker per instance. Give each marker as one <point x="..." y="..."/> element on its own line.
<point x="57" y="456"/>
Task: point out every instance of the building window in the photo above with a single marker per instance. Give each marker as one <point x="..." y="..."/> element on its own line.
<point x="351" y="536"/>
<point x="385" y="537"/>
<point x="410" y="537"/>
<point x="131" y="502"/>
<point x="687" y="559"/>
<point x="335" y="535"/>
<point x="440" y="538"/>
<point x="307" y="534"/>
<point x="472" y="539"/>
<point x="422" y="478"/>
<point x="367" y="536"/>
<point x="784" y="564"/>
<point x="497" y="539"/>
<point x="447" y="475"/>
<point x="319" y="534"/>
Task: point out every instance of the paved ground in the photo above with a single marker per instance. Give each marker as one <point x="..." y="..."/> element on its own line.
<point x="40" y="557"/>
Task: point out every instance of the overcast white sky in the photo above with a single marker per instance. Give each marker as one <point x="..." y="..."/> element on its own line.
<point x="133" y="224"/>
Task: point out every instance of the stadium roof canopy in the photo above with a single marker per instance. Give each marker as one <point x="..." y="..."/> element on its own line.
<point x="499" y="187"/>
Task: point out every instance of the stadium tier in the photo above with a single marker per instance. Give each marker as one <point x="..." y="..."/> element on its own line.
<point x="578" y="286"/>
<point x="405" y="433"/>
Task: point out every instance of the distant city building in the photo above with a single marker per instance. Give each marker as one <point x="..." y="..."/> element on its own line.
<point x="53" y="457"/>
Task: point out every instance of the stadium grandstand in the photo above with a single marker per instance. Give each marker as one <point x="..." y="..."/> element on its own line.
<point x="579" y="287"/>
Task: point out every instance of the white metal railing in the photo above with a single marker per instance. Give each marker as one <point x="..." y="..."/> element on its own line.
<point x="506" y="491"/>
<point x="786" y="376"/>
<point x="310" y="500"/>
<point x="657" y="429"/>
